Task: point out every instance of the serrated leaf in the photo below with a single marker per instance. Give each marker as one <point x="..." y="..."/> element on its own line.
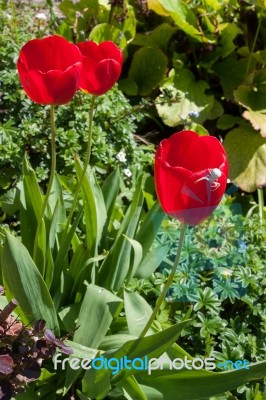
<point x="257" y="120"/>
<point x="246" y="152"/>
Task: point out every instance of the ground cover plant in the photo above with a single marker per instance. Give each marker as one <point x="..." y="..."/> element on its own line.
<point x="85" y="244"/>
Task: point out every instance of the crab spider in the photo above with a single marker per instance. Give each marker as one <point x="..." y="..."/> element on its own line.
<point x="212" y="177"/>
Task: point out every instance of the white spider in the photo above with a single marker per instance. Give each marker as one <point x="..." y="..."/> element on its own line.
<point x="212" y="177"/>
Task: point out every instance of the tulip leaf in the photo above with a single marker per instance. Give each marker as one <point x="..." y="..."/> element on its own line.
<point x="25" y="283"/>
<point x="189" y="100"/>
<point x="117" y="265"/>
<point x="31" y="201"/>
<point x="102" y="306"/>
<point x="138" y="312"/>
<point x="94" y="208"/>
<point x="97" y="383"/>
<point x="246" y="152"/>
<point x="102" y="32"/>
<point x="147" y="69"/>
<point x="198" y="384"/>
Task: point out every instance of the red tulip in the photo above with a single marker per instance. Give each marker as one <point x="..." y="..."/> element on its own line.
<point x="101" y="66"/>
<point x="190" y="176"/>
<point x="49" y="70"/>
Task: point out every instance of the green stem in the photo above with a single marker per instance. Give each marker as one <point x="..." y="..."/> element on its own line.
<point x="253" y="48"/>
<point x="261" y="203"/>
<point x="167" y="284"/>
<point x="52" y="175"/>
<point x="86" y="164"/>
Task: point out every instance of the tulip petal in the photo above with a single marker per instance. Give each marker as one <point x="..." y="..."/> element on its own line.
<point x="98" y="78"/>
<point x="204" y="152"/>
<point x="177" y="145"/>
<point x="169" y="182"/>
<point x="50" y="53"/>
<point x="54" y="87"/>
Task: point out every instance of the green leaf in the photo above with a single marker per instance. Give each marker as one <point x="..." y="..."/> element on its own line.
<point x="151" y="261"/>
<point x="102" y="32"/>
<point x="149" y="227"/>
<point x="231" y="81"/>
<point x="147" y="69"/>
<point x="257" y="120"/>
<point x="116" y="266"/>
<point x="25" y="283"/>
<point x="159" y="37"/>
<point x="9" y="201"/>
<point x="246" y="152"/>
<point x="31" y="202"/>
<point x="98" y="309"/>
<point x="152" y="346"/>
<point x="132" y="389"/>
<point x="138" y="312"/>
<point x="251" y="97"/>
<point x="94" y="208"/>
<point x="190" y="385"/>
<point x="184" y="18"/>
<point x="189" y="99"/>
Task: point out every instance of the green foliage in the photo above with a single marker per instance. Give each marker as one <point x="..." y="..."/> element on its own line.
<point x="222" y="276"/>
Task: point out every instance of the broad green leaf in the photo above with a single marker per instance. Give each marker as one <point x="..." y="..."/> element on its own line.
<point x="257" y="120"/>
<point x="26" y="285"/>
<point x="246" y="152"/>
<point x="40" y="243"/>
<point x="159" y="37"/>
<point x="132" y="390"/>
<point x="94" y="208"/>
<point x="136" y="257"/>
<point x="184" y="18"/>
<point x="149" y="227"/>
<point x="81" y="351"/>
<point x="63" y="252"/>
<point x="198" y="384"/>
<point x="151" y="261"/>
<point x="190" y="102"/>
<point x="69" y="316"/>
<point x="97" y="311"/>
<point x="156" y="6"/>
<point x="231" y="81"/>
<point x="9" y="201"/>
<point x="250" y="97"/>
<point x="102" y="32"/>
<point x="31" y="202"/>
<point x="228" y="121"/>
<point x="147" y="69"/>
<point x="110" y="190"/>
<point x="112" y="342"/>
<point x="138" y="312"/>
<point x="116" y="266"/>
<point x="152" y="346"/>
